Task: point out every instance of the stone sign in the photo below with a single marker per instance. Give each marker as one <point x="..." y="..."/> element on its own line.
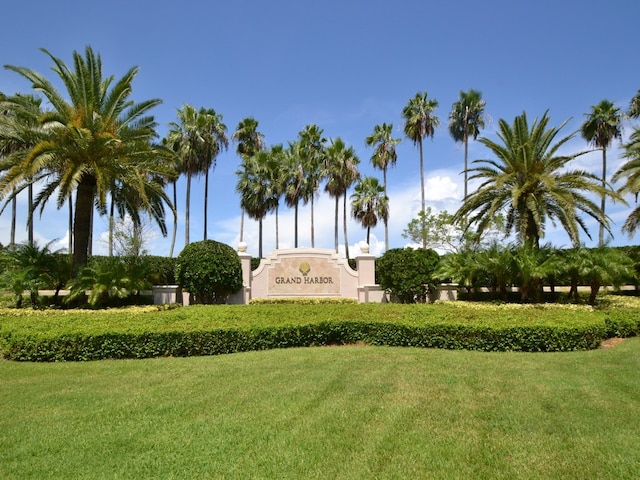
<point x="309" y="276"/>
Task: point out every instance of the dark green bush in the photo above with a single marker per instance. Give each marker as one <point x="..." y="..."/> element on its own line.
<point x="408" y="273"/>
<point x="210" y="271"/>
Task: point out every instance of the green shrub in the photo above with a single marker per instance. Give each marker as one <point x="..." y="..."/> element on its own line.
<point x="408" y="273"/>
<point x="210" y="271"/>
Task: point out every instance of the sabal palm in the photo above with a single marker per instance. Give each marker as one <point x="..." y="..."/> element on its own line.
<point x="197" y="138"/>
<point x="420" y="122"/>
<point x="341" y="166"/>
<point x="602" y="126"/>
<point x="312" y="151"/>
<point x="296" y="183"/>
<point x="97" y="135"/>
<point x="369" y="204"/>
<point x="258" y="193"/>
<point x="249" y="142"/>
<point x="465" y="120"/>
<point x="384" y="155"/>
<point x="530" y="181"/>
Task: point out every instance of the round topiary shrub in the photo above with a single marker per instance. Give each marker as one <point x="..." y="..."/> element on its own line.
<point x="408" y="273"/>
<point x="210" y="271"/>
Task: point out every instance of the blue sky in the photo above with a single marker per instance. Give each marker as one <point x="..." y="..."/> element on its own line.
<point x="345" y="66"/>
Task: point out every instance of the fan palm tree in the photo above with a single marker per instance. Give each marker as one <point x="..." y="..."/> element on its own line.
<point x="420" y="122"/>
<point x="249" y="142"/>
<point x="296" y="183"/>
<point x="369" y="204"/>
<point x="341" y="166"/>
<point x="197" y="138"/>
<point x="312" y="150"/>
<point x="531" y="182"/>
<point x="602" y="126"/>
<point x="95" y="136"/>
<point x="465" y="120"/>
<point x="384" y="155"/>
<point x="277" y="176"/>
<point x="256" y="189"/>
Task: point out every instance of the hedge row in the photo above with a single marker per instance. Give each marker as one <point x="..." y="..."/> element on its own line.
<point x="172" y="333"/>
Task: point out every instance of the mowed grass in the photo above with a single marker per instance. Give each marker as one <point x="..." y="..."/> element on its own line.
<point x="326" y="412"/>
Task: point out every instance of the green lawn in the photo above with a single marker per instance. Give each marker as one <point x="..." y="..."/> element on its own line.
<point x="330" y="412"/>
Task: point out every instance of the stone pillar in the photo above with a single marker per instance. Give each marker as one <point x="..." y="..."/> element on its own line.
<point x="366" y="266"/>
<point x="245" y="259"/>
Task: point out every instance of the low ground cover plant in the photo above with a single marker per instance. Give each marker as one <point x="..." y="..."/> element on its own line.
<point x="207" y="330"/>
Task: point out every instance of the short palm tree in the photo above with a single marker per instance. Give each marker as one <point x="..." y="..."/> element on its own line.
<point x="341" y="165"/>
<point x="384" y="155"/>
<point x="466" y="119"/>
<point x="97" y="135"/>
<point x="369" y="204"/>
<point x="420" y="122"/>
<point x="602" y="126"/>
<point x="249" y="142"/>
<point x="531" y="183"/>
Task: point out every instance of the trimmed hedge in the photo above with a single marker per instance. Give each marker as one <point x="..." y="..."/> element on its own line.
<point x="200" y="330"/>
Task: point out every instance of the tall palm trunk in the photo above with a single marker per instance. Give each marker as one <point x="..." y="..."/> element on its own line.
<point x="111" y="226"/>
<point x="295" y="227"/>
<point x="335" y="230"/>
<point x="466" y="156"/>
<point x="602" y="201"/>
<point x="313" y="243"/>
<point x="424" y="233"/>
<point x="386" y="223"/>
<point x="186" y="211"/>
<point x="260" y="238"/>
<point x="206" y="195"/>
<point x="175" y="219"/>
<point x="70" y="245"/>
<point x="344" y="223"/>
<point x="30" y="222"/>
<point x="277" y="233"/>
<point x="14" y="213"/>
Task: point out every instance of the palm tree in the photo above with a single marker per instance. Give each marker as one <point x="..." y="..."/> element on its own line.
<point x="531" y="182"/>
<point x="384" y="155"/>
<point x="249" y="142"/>
<point x="257" y="192"/>
<point x="634" y="106"/>
<point x="277" y="175"/>
<point x="465" y="120"/>
<point x="341" y="166"/>
<point x="296" y="184"/>
<point x="99" y="134"/>
<point x="369" y="203"/>
<point x="312" y="150"/>
<point x="420" y="122"/>
<point x="603" y="124"/>
<point x="630" y="173"/>
<point x="197" y="138"/>
<point x="19" y="132"/>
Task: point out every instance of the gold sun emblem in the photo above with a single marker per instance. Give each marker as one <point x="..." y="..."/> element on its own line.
<point x="305" y="268"/>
